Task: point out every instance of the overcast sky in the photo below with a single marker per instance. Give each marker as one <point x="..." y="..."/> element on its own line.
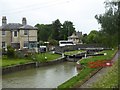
<point x="80" y="12"/>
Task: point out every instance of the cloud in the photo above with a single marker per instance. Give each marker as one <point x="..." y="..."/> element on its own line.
<point x="80" y="12"/>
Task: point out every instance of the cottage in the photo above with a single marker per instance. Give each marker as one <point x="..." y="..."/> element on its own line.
<point x="74" y="38"/>
<point x="19" y="36"/>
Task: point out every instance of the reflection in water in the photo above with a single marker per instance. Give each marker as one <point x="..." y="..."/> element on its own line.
<point x="43" y="77"/>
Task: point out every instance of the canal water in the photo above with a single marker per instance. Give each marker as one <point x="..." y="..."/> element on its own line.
<point x="42" y="77"/>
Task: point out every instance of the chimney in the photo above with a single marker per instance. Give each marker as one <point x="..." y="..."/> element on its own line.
<point x="4" y="20"/>
<point x="24" y="21"/>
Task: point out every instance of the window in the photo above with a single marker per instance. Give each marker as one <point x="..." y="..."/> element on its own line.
<point x="25" y="44"/>
<point x="25" y="32"/>
<point x="3" y="44"/>
<point x="15" y="33"/>
<point x="32" y="44"/>
<point x="3" y="32"/>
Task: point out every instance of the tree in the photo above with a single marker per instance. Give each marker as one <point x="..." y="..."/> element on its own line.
<point x="93" y="37"/>
<point x="53" y="42"/>
<point x="68" y="29"/>
<point x="109" y="23"/>
<point x="56" y="28"/>
<point x="119" y="22"/>
<point x="84" y="38"/>
<point x="44" y="31"/>
<point x="55" y="31"/>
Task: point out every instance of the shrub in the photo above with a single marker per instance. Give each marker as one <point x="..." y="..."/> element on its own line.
<point x="38" y="58"/>
<point x="10" y="52"/>
<point x="53" y="42"/>
<point x="19" y="54"/>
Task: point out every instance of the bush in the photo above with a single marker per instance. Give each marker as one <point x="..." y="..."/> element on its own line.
<point x="22" y="63"/>
<point x="10" y="52"/>
<point x="38" y="58"/>
<point x="19" y="54"/>
<point x="53" y="42"/>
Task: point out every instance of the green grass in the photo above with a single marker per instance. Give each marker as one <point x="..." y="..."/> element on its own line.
<point x="110" y="54"/>
<point x="11" y="62"/>
<point x="39" y="57"/>
<point x="86" y="70"/>
<point x="73" y="52"/>
<point x="109" y="80"/>
<point x="50" y="56"/>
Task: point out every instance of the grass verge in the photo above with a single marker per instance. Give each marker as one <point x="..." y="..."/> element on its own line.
<point x="109" y="80"/>
<point x="11" y="62"/>
<point x="38" y="57"/>
<point x="86" y="71"/>
<point x="109" y="56"/>
<point x="46" y="57"/>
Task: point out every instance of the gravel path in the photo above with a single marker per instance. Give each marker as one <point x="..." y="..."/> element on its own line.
<point x="99" y="74"/>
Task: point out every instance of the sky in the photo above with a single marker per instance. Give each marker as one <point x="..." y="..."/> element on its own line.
<point x="80" y="12"/>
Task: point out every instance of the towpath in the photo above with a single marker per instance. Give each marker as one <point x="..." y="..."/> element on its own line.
<point x="99" y="74"/>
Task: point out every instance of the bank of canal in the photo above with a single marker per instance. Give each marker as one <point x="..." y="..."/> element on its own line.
<point x="43" y="77"/>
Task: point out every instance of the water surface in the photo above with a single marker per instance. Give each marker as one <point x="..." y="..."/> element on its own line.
<point x="42" y="77"/>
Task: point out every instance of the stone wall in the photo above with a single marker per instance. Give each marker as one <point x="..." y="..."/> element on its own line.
<point x="59" y="60"/>
<point x="15" y="68"/>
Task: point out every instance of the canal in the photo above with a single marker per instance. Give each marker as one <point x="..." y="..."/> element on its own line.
<point x="42" y="77"/>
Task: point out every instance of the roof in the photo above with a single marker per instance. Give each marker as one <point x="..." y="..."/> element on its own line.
<point x="11" y="26"/>
<point x="73" y="36"/>
<point x="17" y="26"/>
<point x="28" y="27"/>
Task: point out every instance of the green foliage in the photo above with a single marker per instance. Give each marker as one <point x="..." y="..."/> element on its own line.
<point x="10" y="52"/>
<point x="109" y="23"/>
<point x="84" y="38"/>
<point x="41" y="43"/>
<point x="55" y="31"/>
<point x="44" y="31"/>
<point x="93" y="37"/>
<point x="53" y="42"/>
<point x="67" y="30"/>
<point x="110" y="26"/>
<point x="19" y="54"/>
<point x="56" y="28"/>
